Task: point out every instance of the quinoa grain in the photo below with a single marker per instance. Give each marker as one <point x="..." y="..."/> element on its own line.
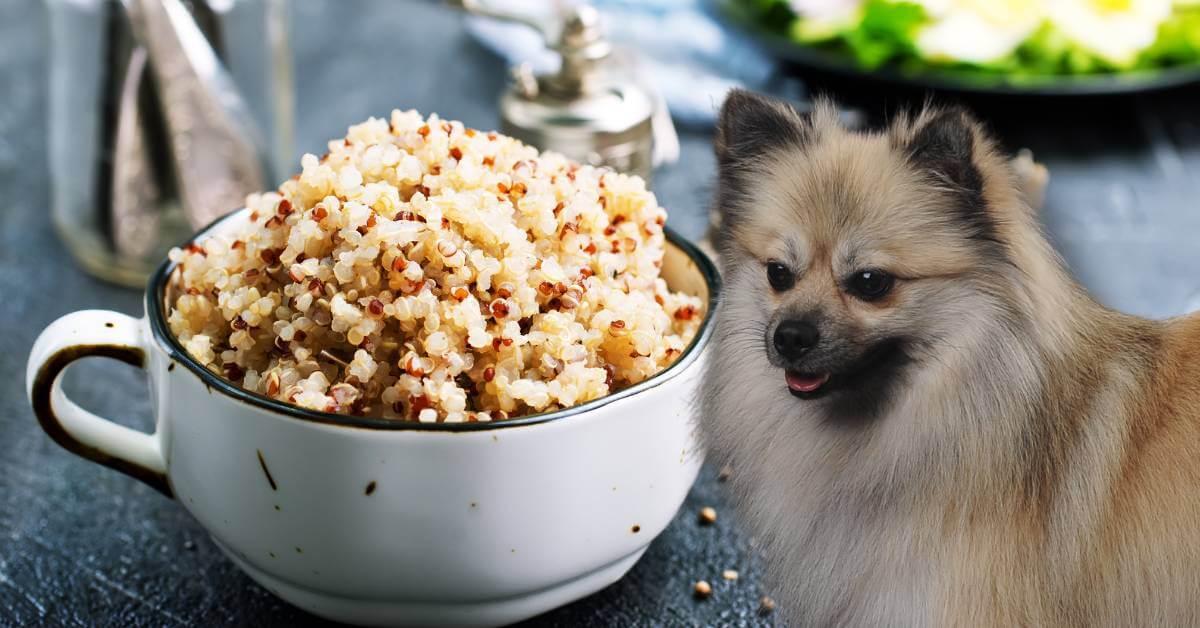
<point x="389" y="279"/>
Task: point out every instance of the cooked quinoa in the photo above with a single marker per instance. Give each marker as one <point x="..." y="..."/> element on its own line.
<point x="422" y="270"/>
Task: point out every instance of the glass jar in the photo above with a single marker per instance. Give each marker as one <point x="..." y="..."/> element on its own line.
<point x="115" y="199"/>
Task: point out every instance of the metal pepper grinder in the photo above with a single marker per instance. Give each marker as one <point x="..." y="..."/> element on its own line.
<point x="592" y="110"/>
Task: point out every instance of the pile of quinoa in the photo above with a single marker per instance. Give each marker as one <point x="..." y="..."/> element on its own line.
<point x="422" y="270"/>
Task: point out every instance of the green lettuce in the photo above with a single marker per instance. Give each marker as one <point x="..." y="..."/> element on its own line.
<point x="887" y="31"/>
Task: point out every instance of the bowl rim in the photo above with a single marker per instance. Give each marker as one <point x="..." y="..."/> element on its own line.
<point x="155" y="312"/>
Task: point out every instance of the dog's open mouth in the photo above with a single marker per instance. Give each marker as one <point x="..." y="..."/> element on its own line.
<point x="806" y="385"/>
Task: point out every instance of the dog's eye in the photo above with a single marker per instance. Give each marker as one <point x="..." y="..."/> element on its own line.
<point x="869" y="285"/>
<point x="780" y="277"/>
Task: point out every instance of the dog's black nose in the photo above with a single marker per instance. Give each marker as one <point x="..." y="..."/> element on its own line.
<point x="794" y="338"/>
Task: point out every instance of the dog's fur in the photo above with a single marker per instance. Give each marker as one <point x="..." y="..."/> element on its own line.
<point x="1002" y="450"/>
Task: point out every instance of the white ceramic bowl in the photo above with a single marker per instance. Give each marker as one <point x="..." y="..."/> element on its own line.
<point x="380" y="522"/>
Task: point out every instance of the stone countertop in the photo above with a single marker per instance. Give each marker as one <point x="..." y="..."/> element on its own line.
<point x="84" y="545"/>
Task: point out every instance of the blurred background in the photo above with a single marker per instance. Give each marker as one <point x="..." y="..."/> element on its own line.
<point x="111" y="114"/>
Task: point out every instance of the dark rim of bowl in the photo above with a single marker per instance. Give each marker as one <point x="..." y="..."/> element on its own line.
<point x="155" y="297"/>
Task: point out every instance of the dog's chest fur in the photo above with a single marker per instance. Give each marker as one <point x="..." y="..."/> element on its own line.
<point x="854" y="547"/>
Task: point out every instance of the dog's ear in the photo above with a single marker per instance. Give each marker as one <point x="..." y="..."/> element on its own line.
<point x="943" y="145"/>
<point x="750" y="125"/>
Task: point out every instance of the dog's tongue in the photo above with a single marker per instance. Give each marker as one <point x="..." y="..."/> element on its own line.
<point x="805" y="383"/>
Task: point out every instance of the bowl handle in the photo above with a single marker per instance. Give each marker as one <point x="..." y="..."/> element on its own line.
<point x="85" y="334"/>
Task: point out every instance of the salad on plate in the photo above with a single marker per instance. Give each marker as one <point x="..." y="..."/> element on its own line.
<point x="1019" y="39"/>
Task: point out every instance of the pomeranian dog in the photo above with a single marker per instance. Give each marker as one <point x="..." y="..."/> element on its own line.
<point x="929" y="422"/>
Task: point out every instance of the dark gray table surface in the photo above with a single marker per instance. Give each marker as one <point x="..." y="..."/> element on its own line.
<point x="85" y="545"/>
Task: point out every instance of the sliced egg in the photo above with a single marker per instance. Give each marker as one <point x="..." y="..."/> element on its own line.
<point x="1114" y="30"/>
<point x="977" y="31"/>
<point x="822" y="19"/>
